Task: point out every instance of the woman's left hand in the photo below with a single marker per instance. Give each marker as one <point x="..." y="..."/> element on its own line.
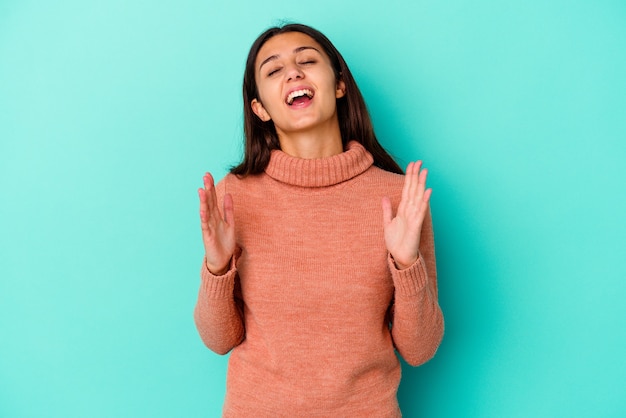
<point x="402" y="233"/>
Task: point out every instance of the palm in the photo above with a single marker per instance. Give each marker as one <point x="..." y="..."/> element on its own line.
<point x="218" y="233"/>
<point x="402" y="232"/>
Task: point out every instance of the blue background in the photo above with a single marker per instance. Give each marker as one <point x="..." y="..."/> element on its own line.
<point x="111" y="111"/>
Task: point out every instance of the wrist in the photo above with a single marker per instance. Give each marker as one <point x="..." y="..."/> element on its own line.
<point x="405" y="264"/>
<point x="217" y="271"/>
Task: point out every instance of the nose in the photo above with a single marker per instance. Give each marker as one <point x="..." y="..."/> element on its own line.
<point x="294" y="73"/>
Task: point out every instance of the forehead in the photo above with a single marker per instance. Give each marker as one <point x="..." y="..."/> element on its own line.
<point x="286" y="44"/>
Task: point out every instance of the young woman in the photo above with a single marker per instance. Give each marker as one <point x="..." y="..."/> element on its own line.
<point x="319" y="254"/>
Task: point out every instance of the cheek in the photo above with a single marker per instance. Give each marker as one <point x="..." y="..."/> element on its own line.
<point x="268" y="95"/>
<point x="332" y="82"/>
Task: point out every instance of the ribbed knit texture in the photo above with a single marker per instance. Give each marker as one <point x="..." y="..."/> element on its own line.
<point x="306" y="304"/>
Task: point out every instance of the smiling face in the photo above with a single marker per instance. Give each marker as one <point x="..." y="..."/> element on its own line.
<point x="297" y="87"/>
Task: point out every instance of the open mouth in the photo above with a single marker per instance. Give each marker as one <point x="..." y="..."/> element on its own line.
<point x="299" y="97"/>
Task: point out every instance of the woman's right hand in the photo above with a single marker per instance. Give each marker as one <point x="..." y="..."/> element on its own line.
<point x="218" y="234"/>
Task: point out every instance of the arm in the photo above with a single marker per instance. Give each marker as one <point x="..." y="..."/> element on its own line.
<point x="417" y="320"/>
<point x="218" y="312"/>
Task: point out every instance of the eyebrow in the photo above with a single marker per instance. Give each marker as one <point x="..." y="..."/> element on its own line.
<point x="295" y="51"/>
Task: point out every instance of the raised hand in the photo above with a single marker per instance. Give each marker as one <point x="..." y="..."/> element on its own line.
<point x="402" y="233"/>
<point x="218" y="234"/>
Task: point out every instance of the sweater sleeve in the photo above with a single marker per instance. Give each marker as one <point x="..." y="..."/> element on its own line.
<point x="218" y="313"/>
<point x="417" y="320"/>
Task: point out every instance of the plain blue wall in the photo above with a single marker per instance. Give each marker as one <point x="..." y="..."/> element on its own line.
<point x="111" y="111"/>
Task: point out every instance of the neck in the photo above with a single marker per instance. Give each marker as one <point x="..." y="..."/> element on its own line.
<point x="319" y="143"/>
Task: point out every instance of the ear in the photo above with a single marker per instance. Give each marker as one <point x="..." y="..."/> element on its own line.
<point x="259" y="110"/>
<point x="341" y="89"/>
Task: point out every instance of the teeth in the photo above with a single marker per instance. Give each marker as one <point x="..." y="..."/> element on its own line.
<point x="299" y="93"/>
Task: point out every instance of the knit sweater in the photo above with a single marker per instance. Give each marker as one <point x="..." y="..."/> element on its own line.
<point x="307" y="303"/>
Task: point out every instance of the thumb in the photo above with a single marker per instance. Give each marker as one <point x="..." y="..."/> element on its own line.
<point x="229" y="215"/>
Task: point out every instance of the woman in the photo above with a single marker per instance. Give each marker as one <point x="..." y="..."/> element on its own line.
<point x="319" y="254"/>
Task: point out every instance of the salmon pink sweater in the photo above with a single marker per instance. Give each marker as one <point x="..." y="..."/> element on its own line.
<point x="313" y="307"/>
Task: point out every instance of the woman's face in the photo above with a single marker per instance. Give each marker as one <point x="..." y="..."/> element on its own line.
<point x="297" y="87"/>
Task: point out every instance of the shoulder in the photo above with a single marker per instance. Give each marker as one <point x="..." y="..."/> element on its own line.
<point x="382" y="178"/>
<point x="237" y="185"/>
<point x="233" y="180"/>
<point x="376" y="183"/>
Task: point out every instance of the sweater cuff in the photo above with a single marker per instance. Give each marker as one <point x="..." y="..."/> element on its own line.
<point x="219" y="287"/>
<point x="411" y="280"/>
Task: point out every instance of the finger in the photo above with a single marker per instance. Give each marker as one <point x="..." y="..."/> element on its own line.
<point x="202" y="198"/>
<point x="203" y="210"/>
<point x="426" y="198"/>
<point x="207" y="180"/>
<point x="229" y="213"/>
<point x="421" y="186"/>
<point x="414" y="181"/>
<point x="424" y="207"/>
<point x="387" y="211"/>
<point x="407" y="182"/>
<point x="211" y="197"/>
<point x="422" y="177"/>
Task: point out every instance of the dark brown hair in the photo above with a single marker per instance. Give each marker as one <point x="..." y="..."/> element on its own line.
<point x="354" y="119"/>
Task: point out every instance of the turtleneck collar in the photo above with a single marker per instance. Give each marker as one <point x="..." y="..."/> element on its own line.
<point x="319" y="172"/>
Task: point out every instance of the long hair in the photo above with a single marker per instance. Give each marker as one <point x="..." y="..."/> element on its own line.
<point x="354" y="119"/>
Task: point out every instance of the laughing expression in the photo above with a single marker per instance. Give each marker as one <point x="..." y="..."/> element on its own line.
<point x="296" y="83"/>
